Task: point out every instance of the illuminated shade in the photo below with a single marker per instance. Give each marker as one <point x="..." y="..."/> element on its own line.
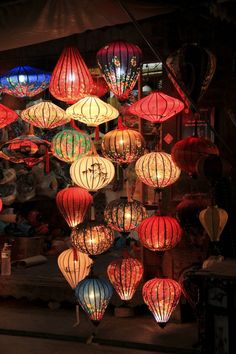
<point x="157" y="169"/>
<point x="92" y="238"/>
<point x="24" y="81"/>
<point x="7" y="116"/>
<point x="125" y="275"/>
<point x="93" y="296"/>
<point x="186" y="153"/>
<point x="45" y="115"/>
<point x="71" y="79"/>
<point x="68" y="145"/>
<point x="162" y="297"/>
<point x="74" y="265"/>
<point x="213" y="219"/>
<point x="92" y="111"/>
<point x="159" y="233"/>
<point x="124" y="216"/>
<point x="0" y="204"/>
<point x="73" y="203"/>
<point x="100" y="87"/>
<point x="120" y="63"/>
<point x="157" y="107"/>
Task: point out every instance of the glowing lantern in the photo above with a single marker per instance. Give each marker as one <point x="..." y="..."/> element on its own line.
<point x="92" y="111"/>
<point x="100" y="87"/>
<point x="213" y="219"/>
<point x="94" y="295"/>
<point x="159" y="233"/>
<point x="125" y="275"/>
<point x="74" y="265"/>
<point x="120" y="63"/>
<point x="162" y="297"/>
<point x="24" y="81"/>
<point x="156" y="169"/>
<point x="92" y="238"/>
<point x="73" y="203"/>
<point x="7" y="116"/>
<point x="0" y="204"/>
<point x="71" y="79"/>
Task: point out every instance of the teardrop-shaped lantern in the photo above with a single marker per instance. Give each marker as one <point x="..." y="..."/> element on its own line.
<point x="71" y="79"/>
<point x="7" y="116"/>
<point x="162" y="297"/>
<point x="125" y="274"/>
<point x="73" y="203"/>
<point x="74" y="265"/>
<point x="120" y="63"/>
<point x="100" y="87"/>
<point x="213" y="219"/>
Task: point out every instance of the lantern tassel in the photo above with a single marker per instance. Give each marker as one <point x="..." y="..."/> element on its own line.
<point x="97" y="133"/>
<point x="47" y="161"/>
<point x="120" y="123"/>
<point x="77" y="316"/>
<point x="74" y="126"/>
<point x="75" y="254"/>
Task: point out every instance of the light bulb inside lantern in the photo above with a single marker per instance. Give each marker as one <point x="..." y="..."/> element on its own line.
<point x="22" y="78"/>
<point x="71" y="77"/>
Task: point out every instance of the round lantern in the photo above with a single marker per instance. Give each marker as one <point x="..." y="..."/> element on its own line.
<point x="162" y="297"/>
<point x="71" y="79"/>
<point x="213" y="168"/>
<point x="7" y="116"/>
<point x="92" y="111"/>
<point x="100" y="87"/>
<point x="73" y="203"/>
<point x="123" y="215"/>
<point x="159" y="233"/>
<point x="74" y="265"/>
<point x="120" y="63"/>
<point x="213" y="219"/>
<point x="93" y="296"/>
<point x="68" y="145"/>
<point x="157" y="169"/>
<point x="186" y="153"/>
<point x="125" y="275"/>
<point x="92" y="238"/>
<point x="24" y="81"/>
<point x="157" y="107"/>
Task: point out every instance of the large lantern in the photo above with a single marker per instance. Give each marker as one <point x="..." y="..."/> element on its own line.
<point x="159" y="233"/>
<point x="93" y="296"/>
<point x="74" y="265"/>
<point x="100" y="87"/>
<point x="125" y="275"/>
<point x="92" y="238"/>
<point x="157" y="169"/>
<point x="73" y="203"/>
<point x="157" y="107"/>
<point x="213" y="219"/>
<point x="7" y="116"/>
<point x="71" y="79"/>
<point x="120" y="63"/>
<point x="161" y="296"/>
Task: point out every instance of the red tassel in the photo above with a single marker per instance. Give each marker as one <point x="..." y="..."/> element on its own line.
<point x="74" y="126"/>
<point x="75" y="254"/>
<point x="97" y="133"/>
<point x="120" y="123"/>
<point x="47" y="161"/>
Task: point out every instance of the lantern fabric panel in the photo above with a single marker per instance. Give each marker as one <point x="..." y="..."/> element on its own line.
<point x="100" y="87"/>
<point x="213" y="219"/>
<point x="7" y="116"/>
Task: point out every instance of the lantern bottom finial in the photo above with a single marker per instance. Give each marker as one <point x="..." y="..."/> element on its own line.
<point x="95" y="323"/>
<point x="162" y="325"/>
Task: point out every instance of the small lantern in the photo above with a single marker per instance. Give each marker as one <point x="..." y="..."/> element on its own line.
<point x="7" y="116"/>
<point x="213" y="219"/>
<point x="100" y="87"/>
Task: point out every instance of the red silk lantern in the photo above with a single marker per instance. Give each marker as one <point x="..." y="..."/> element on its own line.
<point x="73" y="203"/>
<point x="125" y="275"/>
<point x="0" y="204"/>
<point x="7" y="116"/>
<point x="100" y="87"/>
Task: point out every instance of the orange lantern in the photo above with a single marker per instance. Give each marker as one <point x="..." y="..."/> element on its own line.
<point x="213" y="219"/>
<point x="7" y="116"/>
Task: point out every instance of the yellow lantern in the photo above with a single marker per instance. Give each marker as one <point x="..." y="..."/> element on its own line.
<point x="213" y="219"/>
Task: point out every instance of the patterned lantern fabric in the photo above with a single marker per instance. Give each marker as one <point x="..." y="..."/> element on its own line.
<point x="125" y="275"/>
<point x="24" y="81"/>
<point x="7" y="116"/>
<point x="100" y="87"/>
<point x="213" y="219"/>
<point x="120" y="63"/>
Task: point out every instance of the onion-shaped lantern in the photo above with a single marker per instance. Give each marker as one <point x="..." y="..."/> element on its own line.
<point x="100" y="87"/>
<point x="24" y="81"/>
<point x="213" y="219"/>
<point x="161" y="296"/>
<point x="69" y="145"/>
<point x="157" y="169"/>
<point x="125" y="275"/>
<point x="71" y="79"/>
<point x="93" y="296"/>
<point x="157" y="107"/>
<point x="159" y="233"/>
<point x="120" y="63"/>
<point x="92" y="238"/>
<point x="7" y="116"/>
<point x="74" y="265"/>
<point x="73" y="203"/>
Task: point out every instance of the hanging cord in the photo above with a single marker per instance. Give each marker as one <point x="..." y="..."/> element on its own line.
<point x="196" y="117"/>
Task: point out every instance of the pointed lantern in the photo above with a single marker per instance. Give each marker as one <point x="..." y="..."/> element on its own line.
<point x="7" y="116"/>
<point x="213" y="219"/>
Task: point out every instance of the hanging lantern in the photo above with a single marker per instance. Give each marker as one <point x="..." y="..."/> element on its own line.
<point x="1" y="204"/>
<point x="73" y="203"/>
<point x="157" y="107"/>
<point x="213" y="168"/>
<point x="159" y="233"/>
<point x="93" y="296"/>
<point x="24" y="81"/>
<point x="186" y="153"/>
<point x="69" y="145"/>
<point x="124" y="216"/>
<point x="92" y="111"/>
<point x="125" y="275"/>
<point x="120" y="63"/>
<point x="7" y="116"/>
<point x="74" y="265"/>
<point x="213" y="219"/>
<point x="71" y="79"/>
<point x="92" y="238"/>
<point x="157" y="169"/>
<point x="100" y="87"/>
<point x="162" y="297"/>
